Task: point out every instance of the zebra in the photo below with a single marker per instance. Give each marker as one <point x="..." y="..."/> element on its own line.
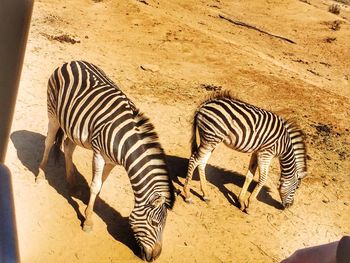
<point x="248" y="129"/>
<point x="87" y="109"/>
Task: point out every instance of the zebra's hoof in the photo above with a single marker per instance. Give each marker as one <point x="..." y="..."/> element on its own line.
<point x="206" y="199"/>
<point x="177" y="191"/>
<point x="40" y="179"/>
<point x="243" y="206"/>
<point x="87" y="228"/>
<point x="189" y="200"/>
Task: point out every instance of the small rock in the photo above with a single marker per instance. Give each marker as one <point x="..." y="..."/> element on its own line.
<point x="346" y="203"/>
<point x="136" y="22"/>
<point x="325" y="201"/>
<point x="326" y="182"/>
<point x="150" y="67"/>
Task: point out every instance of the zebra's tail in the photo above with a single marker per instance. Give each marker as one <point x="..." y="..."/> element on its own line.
<point x="194" y="145"/>
<point x="57" y="144"/>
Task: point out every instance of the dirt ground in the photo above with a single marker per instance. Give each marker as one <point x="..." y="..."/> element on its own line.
<point x="168" y="56"/>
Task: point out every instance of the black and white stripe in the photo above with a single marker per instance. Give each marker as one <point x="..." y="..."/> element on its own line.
<point x="249" y="129"/>
<point x="94" y="113"/>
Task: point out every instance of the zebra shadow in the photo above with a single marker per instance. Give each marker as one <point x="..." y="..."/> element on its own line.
<point x="220" y="178"/>
<point x="30" y="148"/>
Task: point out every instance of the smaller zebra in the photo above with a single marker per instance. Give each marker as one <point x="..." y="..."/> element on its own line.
<point x="249" y="129"/>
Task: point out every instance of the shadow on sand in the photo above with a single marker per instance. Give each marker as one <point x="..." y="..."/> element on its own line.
<point x="30" y="147"/>
<point x="218" y="177"/>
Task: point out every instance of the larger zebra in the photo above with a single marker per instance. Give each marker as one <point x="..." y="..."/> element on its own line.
<point x="87" y="109"/>
<point x="248" y="129"/>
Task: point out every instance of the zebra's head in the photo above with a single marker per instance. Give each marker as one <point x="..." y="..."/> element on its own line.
<point x="294" y="167"/>
<point x="147" y="222"/>
<point x="287" y="191"/>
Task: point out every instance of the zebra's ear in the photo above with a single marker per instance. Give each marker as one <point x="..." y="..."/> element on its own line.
<point x="158" y="201"/>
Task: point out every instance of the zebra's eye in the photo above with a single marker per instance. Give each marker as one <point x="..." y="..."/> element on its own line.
<point x="154" y="222"/>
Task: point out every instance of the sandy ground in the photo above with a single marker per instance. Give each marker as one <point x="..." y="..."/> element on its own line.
<point x="191" y="51"/>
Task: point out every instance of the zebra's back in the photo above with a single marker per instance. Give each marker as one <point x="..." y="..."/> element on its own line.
<point x="239" y="125"/>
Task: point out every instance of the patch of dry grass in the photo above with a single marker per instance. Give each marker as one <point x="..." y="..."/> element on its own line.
<point x="346" y="2"/>
<point x="329" y="39"/>
<point x="335" y="25"/>
<point x="334" y="8"/>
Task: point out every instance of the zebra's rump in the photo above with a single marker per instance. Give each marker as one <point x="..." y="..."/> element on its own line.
<point x="84" y="101"/>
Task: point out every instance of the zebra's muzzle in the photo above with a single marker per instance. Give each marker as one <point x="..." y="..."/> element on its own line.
<point x="288" y="205"/>
<point x="149" y="254"/>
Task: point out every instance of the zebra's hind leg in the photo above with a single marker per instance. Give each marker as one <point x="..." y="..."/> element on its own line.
<point x="192" y="165"/>
<point x="253" y="164"/>
<point x="69" y="148"/>
<point x="199" y="157"/>
<point x="53" y="127"/>
<point x="202" y="177"/>
<point x="101" y="171"/>
<point x="264" y="160"/>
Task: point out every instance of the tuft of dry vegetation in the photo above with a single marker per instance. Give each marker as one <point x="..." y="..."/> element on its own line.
<point x="335" y="25"/>
<point x="345" y="2"/>
<point x="210" y="87"/>
<point x="329" y="39"/>
<point x="64" y="38"/>
<point x="334" y="8"/>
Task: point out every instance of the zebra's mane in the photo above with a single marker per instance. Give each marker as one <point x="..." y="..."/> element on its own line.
<point x="297" y="137"/>
<point x="226" y="94"/>
<point x="150" y="138"/>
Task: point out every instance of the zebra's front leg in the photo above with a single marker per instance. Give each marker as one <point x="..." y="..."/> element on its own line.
<point x="253" y="164"/>
<point x="69" y="148"/>
<point x="53" y="127"/>
<point x="202" y="177"/>
<point x="95" y="188"/>
<point x="264" y="160"/>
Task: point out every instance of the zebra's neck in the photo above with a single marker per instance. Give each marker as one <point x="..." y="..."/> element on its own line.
<point x="288" y="164"/>
<point x="296" y="137"/>
<point x="144" y="160"/>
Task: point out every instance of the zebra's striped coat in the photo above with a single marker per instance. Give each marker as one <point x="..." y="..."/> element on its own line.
<point x="88" y="109"/>
<point x="249" y="129"/>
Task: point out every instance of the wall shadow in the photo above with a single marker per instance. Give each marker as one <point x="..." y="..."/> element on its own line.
<point x="218" y="177"/>
<point x="30" y="148"/>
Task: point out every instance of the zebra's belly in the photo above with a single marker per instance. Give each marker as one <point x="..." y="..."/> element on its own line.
<point x="241" y="146"/>
<point x="79" y="137"/>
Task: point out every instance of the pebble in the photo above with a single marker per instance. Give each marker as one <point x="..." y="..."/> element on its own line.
<point x="150" y="67"/>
